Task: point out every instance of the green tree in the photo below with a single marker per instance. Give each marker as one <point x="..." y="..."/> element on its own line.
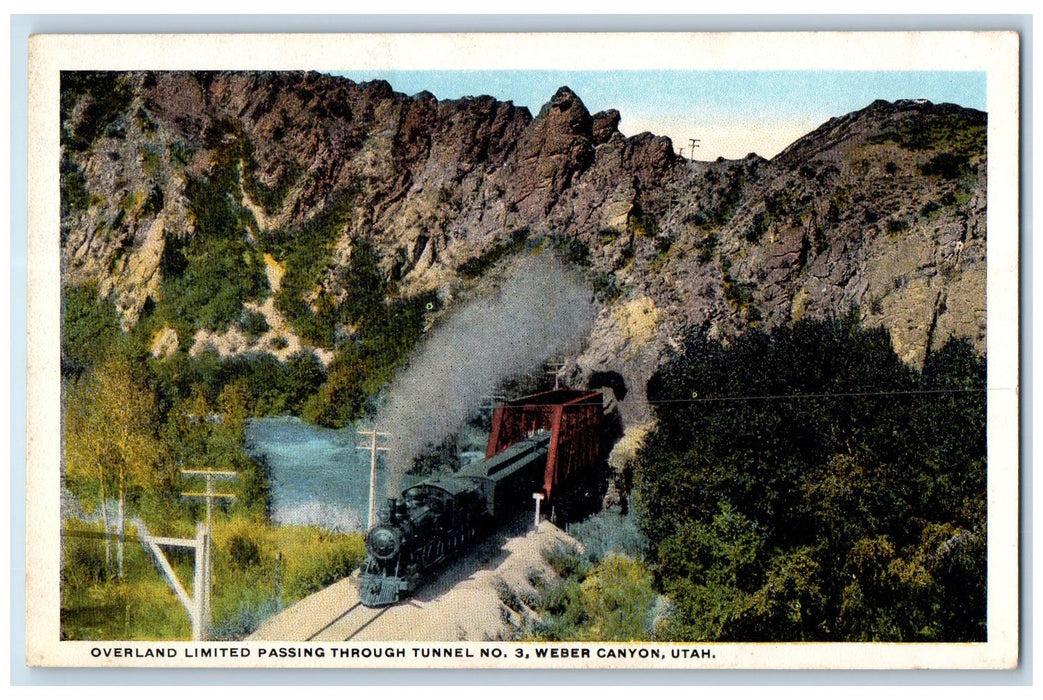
<point x="90" y="328"/>
<point x="807" y="484"/>
<point x="344" y="395"/>
<point x="110" y="438"/>
<point x="710" y="570"/>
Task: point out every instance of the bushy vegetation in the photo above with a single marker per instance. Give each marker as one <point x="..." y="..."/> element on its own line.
<point x="90" y="329"/>
<point x="74" y="197"/>
<point x="610" y="532"/>
<point x="947" y="165"/>
<point x="758" y="227"/>
<point x="253" y="323"/>
<point x="729" y="196"/>
<point x="808" y="485"/>
<point x="605" y="598"/>
<point x="387" y="327"/>
<point x="707" y="248"/>
<point x="284" y="564"/>
<point x="955" y="132"/>
<point x="131" y="424"/>
<point x="272" y="198"/>
<point x="208" y="276"/>
<point x="603" y="593"/>
<point x="305" y="251"/>
<point x="573" y="250"/>
<point x="896" y="226"/>
<point x="271" y="387"/>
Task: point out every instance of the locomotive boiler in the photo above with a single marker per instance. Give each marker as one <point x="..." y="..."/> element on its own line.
<point x="541" y="443"/>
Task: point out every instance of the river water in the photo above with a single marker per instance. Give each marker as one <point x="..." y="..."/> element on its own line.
<point x="318" y="476"/>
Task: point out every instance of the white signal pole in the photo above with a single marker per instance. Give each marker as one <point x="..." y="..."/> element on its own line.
<point x="373" y="450"/>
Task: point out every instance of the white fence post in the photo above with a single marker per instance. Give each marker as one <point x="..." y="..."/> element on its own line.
<point x="199" y="586"/>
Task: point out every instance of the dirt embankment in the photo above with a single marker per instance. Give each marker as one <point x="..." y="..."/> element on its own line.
<point x="463" y="602"/>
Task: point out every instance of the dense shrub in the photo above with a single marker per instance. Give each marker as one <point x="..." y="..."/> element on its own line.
<point x="618" y="599"/>
<point x="598" y="600"/>
<point x="325" y="564"/>
<point x="896" y="226"/>
<point x="208" y="276"/>
<point x="573" y="250"/>
<point x="90" y="328"/>
<point x="758" y="227"/>
<point x="609" y="532"/>
<point x="947" y="165"/>
<point x="253" y="323"/>
<point x="808" y="485"/>
<point x="305" y="252"/>
<point x="74" y="197"/>
<point x="244" y="551"/>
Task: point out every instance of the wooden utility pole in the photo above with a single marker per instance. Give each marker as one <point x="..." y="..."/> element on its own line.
<point x="210" y="494"/>
<point x="558" y="364"/>
<point x="207" y="575"/>
<point x="694" y="143"/>
<point x="373" y="450"/>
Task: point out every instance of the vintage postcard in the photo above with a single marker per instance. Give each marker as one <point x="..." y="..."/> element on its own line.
<point x="645" y="351"/>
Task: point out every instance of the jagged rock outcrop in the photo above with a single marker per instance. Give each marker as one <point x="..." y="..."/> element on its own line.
<point x="882" y="210"/>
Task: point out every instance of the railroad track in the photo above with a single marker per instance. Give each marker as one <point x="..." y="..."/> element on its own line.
<point x="369" y="622"/>
<point x="333" y="614"/>
<point x="348" y="624"/>
<point x="332" y="622"/>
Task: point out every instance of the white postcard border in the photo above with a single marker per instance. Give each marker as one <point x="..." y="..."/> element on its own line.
<point x="995" y="53"/>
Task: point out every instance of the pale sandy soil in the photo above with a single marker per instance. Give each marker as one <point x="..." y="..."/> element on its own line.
<point x="462" y="602"/>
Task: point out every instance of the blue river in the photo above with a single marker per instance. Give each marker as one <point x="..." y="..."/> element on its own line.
<point x="318" y="476"/>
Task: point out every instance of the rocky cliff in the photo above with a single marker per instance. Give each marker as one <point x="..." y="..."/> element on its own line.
<point x="293" y="176"/>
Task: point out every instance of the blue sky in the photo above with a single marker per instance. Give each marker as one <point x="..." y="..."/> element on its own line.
<point x="732" y="112"/>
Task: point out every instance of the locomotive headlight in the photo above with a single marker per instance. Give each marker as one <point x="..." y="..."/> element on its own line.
<point x="383" y="543"/>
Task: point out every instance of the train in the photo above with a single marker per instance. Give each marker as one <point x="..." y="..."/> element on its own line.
<point x="540" y="444"/>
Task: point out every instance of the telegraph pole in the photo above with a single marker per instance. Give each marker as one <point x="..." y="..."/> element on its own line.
<point x="373" y="450"/>
<point x="205" y="577"/>
<point x="694" y="143"/>
<point x="557" y="364"/>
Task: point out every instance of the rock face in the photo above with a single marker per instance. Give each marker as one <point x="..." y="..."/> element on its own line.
<point x="881" y="210"/>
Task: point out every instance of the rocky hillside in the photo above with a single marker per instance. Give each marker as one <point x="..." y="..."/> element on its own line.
<point x="266" y="211"/>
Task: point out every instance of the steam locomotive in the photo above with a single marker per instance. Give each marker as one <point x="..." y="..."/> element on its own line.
<point x="538" y="444"/>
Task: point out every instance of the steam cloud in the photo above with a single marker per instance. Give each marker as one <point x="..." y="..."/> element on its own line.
<point x="542" y="309"/>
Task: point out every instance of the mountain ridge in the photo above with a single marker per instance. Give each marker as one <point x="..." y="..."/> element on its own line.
<point x="881" y="210"/>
